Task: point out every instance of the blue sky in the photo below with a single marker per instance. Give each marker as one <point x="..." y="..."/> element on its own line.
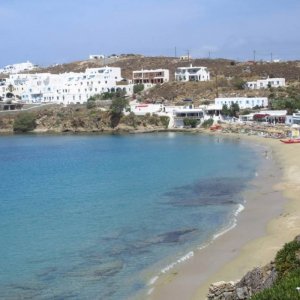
<point x="56" y="31"/>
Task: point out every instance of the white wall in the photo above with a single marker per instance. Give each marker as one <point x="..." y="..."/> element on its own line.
<point x="192" y="74"/>
<point x="264" y="83"/>
<point x="67" y="88"/>
<point x="243" y="102"/>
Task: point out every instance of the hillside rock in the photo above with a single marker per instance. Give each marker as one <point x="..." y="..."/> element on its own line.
<point x="253" y="282"/>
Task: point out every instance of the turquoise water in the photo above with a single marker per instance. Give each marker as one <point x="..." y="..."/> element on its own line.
<point x="83" y="217"/>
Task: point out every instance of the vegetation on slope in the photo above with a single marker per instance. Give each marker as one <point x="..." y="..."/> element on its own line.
<point x="24" y="122"/>
<point x="287" y="264"/>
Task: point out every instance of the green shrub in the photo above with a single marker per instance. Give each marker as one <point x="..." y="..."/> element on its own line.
<point x="287" y="259"/>
<point x="24" y="122"/>
<point x="130" y="120"/>
<point x="285" y="289"/>
<point x="118" y="105"/>
<point x="188" y="122"/>
<point x="238" y="83"/>
<point x="165" y="121"/>
<point x="138" y="88"/>
<point x="207" y="123"/>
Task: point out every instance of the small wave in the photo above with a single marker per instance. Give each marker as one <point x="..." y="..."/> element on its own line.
<point x="150" y="291"/>
<point x="152" y="280"/>
<point x="231" y="226"/>
<point x="180" y="260"/>
<point x="240" y="208"/>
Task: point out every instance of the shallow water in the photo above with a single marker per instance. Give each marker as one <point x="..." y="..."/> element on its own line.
<point x="82" y="217"/>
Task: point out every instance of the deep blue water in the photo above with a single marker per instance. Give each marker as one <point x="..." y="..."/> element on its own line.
<point x="83" y="217"/>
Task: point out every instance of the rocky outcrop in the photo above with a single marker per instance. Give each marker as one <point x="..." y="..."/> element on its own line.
<point x="253" y="282"/>
<point x="74" y="119"/>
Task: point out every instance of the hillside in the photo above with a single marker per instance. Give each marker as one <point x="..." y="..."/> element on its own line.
<point x="223" y="67"/>
<point x="224" y="76"/>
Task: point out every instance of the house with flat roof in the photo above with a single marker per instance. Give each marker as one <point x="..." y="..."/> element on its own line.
<point x="243" y="102"/>
<point x="157" y="76"/>
<point x="66" y="88"/>
<point x="265" y="83"/>
<point x="192" y="74"/>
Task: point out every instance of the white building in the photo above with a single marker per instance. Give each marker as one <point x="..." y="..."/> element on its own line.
<point x="243" y="102"/>
<point x="294" y="119"/>
<point x="265" y="83"/>
<point x="187" y="112"/>
<point x="141" y="109"/>
<point x="185" y="57"/>
<point x="151" y="76"/>
<point x="192" y="74"/>
<point x="267" y="116"/>
<point x="66" y="88"/>
<point x="96" y="56"/>
<point x="16" y="68"/>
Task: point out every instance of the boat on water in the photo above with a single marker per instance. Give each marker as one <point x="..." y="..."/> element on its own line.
<point x="290" y="141"/>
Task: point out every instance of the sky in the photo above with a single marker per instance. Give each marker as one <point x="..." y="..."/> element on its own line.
<point x="57" y="31"/>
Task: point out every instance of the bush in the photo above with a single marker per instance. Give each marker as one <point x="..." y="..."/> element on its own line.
<point x="24" y="122"/>
<point x="165" y="121"/>
<point x="238" y="83"/>
<point x="207" y="123"/>
<point x="188" y="122"/>
<point x="287" y="259"/>
<point x="130" y="120"/>
<point x="284" y="289"/>
<point x="138" y="88"/>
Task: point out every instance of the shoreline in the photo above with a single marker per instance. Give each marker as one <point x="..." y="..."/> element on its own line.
<point x="269" y="212"/>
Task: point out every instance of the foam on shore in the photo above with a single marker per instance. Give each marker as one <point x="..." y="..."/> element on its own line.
<point x="257" y="237"/>
<point x="189" y="255"/>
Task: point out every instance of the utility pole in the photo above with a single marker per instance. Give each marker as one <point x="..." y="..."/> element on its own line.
<point x="217" y="84"/>
<point x="175" y="52"/>
<point x="254" y="55"/>
<point x="188" y="55"/>
<point x="271" y="57"/>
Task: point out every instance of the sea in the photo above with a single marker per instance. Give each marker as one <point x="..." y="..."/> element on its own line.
<point x="102" y="216"/>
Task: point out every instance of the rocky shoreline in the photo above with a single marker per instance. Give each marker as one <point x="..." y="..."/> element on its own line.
<point x="253" y="282"/>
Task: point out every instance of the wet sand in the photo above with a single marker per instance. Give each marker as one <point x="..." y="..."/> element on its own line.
<point x="271" y="218"/>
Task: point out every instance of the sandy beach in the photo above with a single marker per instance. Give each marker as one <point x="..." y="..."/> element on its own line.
<point x="271" y="218"/>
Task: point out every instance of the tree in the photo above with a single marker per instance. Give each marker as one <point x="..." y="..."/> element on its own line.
<point x="290" y="104"/>
<point x="231" y="111"/>
<point x="234" y="109"/>
<point x="225" y="110"/>
<point x="138" y="88"/>
<point x="118" y="105"/>
<point x="10" y="88"/>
